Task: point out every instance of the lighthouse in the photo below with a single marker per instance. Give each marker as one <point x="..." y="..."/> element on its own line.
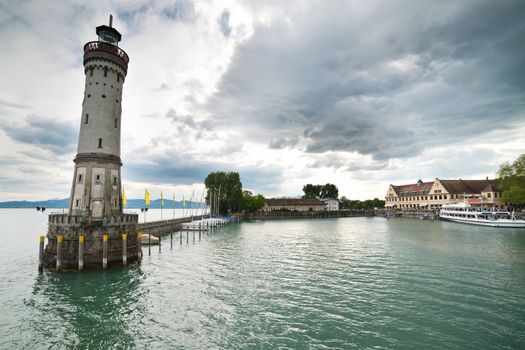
<point x="96" y="189"/>
<point x="96" y="232"/>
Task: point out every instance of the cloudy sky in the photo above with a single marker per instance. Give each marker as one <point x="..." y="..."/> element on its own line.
<point x="356" y="93"/>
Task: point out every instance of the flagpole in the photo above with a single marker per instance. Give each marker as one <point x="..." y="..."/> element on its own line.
<point x="173" y="203"/>
<point x="219" y="202"/>
<point x="209" y="203"/>
<point x="191" y="209"/>
<point x="161" y="204"/>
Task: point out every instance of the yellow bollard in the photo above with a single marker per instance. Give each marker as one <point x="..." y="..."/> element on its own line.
<point x="105" y="251"/>
<point x="124" y="249"/>
<point x="59" y="252"/>
<point x="80" y="252"/>
<point x="139" y="246"/>
<point x="41" y="254"/>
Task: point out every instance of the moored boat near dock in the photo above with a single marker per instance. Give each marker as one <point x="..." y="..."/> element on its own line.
<point x="467" y="214"/>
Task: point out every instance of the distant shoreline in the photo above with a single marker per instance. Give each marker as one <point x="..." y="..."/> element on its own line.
<point x="64" y="204"/>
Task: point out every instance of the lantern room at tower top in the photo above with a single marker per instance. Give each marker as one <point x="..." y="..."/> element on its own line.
<point x="107" y="46"/>
<point x="109" y="34"/>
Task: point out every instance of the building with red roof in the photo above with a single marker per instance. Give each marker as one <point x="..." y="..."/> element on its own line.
<point x="432" y="195"/>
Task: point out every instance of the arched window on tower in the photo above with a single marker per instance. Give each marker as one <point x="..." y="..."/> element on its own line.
<point x="105" y="71"/>
<point x="99" y="143"/>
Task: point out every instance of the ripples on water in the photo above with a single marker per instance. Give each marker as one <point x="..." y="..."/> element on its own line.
<point x="332" y="283"/>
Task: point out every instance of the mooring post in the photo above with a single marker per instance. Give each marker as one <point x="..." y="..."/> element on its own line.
<point x="139" y="246"/>
<point x="171" y="241"/>
<point x="41" y="254"/>
<point x="80" y="252"/>
<point x="124" y="249"/>
<point x="149" y="243"/>
<point x="187" y="235"/>
<point x="180" y="234"/>
<point x="105" y="251"/>
<point x="199" y="231"/>
<point x="160" y="240"/>
<point x="59" y="252"/>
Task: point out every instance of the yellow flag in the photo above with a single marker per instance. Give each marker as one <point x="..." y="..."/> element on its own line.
<point x="183" y="202"/>
<point x="146" y="199"/>
<point x="161" y="199"/>
<point x="124" y="199"/>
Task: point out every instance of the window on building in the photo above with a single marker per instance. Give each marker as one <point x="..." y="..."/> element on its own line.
<point x="444" y="196"/>
<point x="77" y="203"/>
<point x="114" y="181"/>
<point x="116" y="122"/>
<point x="105" y="71"/>
<point x="103" y="96"/>
<point x="440" y="197"/>
<point x="99" y="143"/>
<point x="79" y="178"/>
<point x="89" y="95"/>
<point x="87" y="119"/>
<point x="97" y="179"/>
<point x="488" y="195"/>
<point x="118" y="78"/>
<point x="91" y="74"/>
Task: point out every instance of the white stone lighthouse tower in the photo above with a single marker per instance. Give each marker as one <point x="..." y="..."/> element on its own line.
<point x="96" y="189"/>
<point x="95" y="232"/>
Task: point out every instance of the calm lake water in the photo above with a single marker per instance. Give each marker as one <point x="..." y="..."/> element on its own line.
<point x="300" y="284"/>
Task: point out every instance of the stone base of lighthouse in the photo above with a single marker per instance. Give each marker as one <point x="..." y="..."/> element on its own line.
<point x="71" y="227"/>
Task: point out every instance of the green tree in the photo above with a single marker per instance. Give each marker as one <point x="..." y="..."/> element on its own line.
<point x="252" y="203"/>
<point x="512" y="181"/>
<point x="329" y="191"/>
<point x="346" y="203"/>
<point x="311" y="191"/>
<point x="228" y="188"/>
<point x="320" y="191"/>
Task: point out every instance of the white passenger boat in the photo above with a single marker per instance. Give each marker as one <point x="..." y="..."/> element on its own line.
<point x="465" y="213"/>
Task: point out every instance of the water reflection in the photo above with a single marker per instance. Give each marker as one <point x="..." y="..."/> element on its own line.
<point x="90" y="309"/>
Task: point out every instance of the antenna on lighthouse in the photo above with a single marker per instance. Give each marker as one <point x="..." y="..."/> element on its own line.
<point x="111" y="21"/>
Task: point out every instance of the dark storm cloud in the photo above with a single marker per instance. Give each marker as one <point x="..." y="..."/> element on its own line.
<point x="57" y="136"/>
<point x="283" y="143"/>
<point x="183" y="169"/>
<point x="386" y="79"/>
<point x="188" y="122"/>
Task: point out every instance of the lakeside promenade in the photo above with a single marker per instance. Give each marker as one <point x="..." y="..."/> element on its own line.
<point x="288" y="214"/>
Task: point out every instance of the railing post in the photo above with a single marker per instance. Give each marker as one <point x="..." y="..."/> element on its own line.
<point x="59" y="252"/>
<point x="41" y="254"/>
<point x="105" y="251"/>
<point x="80" y="252"/>
<point x="124" y="249"/>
